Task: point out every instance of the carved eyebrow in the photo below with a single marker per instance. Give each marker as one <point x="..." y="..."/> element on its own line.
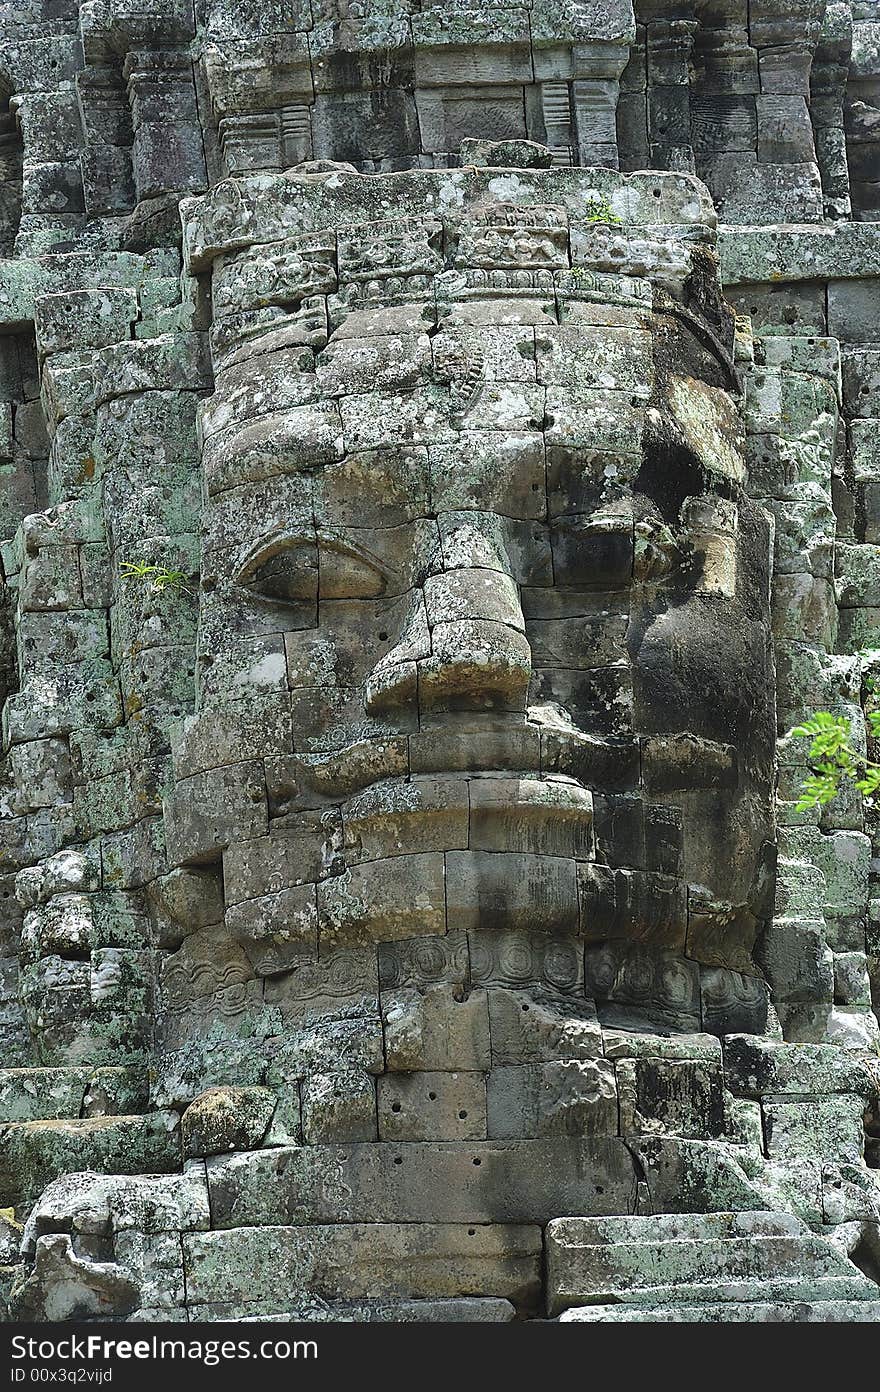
<point x="268" y="546"/>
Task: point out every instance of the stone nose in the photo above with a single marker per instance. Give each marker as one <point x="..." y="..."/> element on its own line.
<point x="464" y="647"/>
<point x="480" y="657"/>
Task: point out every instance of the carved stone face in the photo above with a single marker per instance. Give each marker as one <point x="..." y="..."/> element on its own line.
<point x="486" y="605"/>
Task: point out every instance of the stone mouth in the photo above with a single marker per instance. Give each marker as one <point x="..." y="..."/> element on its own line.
<point x="496" y="748"/>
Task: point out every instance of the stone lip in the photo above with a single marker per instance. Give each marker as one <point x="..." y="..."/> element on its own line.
<point x="483" y="811"/>
<point x="340" y="772"/>
<point x="400" y="795"/>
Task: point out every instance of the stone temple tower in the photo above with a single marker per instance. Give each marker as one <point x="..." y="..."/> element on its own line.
<point x="440" y="453"/>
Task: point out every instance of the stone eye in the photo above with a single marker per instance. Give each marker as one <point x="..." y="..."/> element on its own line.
<point x="305" y="571"/>
<point x="344" y="574"/>
<point x="288" y="576"/>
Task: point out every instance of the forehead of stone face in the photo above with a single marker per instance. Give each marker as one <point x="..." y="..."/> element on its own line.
<point x="263" y="208"/>
<point x="473" y="301"/>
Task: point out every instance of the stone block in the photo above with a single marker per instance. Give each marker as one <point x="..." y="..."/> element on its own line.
<point x="383" y="1261"/>
<point x="804" y="538"/>
<point x="784" y="309"/>
<point x="42" y="773"/>
<point x="423" y="1181"/>
<point x="754" y="1067"/>
<point x="631" y="904"/>
<point x="338" y="1106"/>
<point x="490" y="891"/>
<point x="208" y="962"/>
<point x="276" y="929"/>
<point x="434" y="1029"/>
<point x="756" y="194"/>
<point x="190" y="898"/>
<point x="851" y="983"/>
<point x="432" y="1106"/>
<point x="574" y="1097"/>
<point x="539" y="1026"/>
<point x="427" y="961"/>
<point x="797" y="961"/>
<point x="63" y="1286"/>
<point x="549" y="817"/>
<point x="467" y="1310"/>
<point x="208" y="811"/>
<point x="792" y="253"/>
<point x="671" y="1097"/>
<point x="426" y="814"/>
<point x="853" y="307"/>
<point x="637" y="986"/>
<point x="84" y="319"/>
<point x="520" y="960"/>
<point x="612" y="764"/>
<point x="853" y="1027"/>
<point x="41" y="1094"/>
<point x="620" y="1044"/>
<point x="832" y="1127"/>
<point x="731" y="1001"/>
<point x="861" y="382"/>
<point x="210" y="739"/>
<point x="819" y="1311"/>
<point x="347" y="978"/>
<point x="672" y="763"/>
<point x="857" y="576"/>
<point x="334" y="1041"/>
<point x="383" y="900"/>
<point x="34" y="1152"/>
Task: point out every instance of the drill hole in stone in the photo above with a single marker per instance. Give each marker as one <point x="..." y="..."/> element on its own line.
<point x="395" y="1106"/>
<point x="462" y="1116"/>
<point x="432" y="1097"/>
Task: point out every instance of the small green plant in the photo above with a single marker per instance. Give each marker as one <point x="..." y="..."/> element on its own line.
<point x="600" y="210"/>
<point x="159" y="577"/>
<point x="833" y="759"/>
<point x="831" y="755"/>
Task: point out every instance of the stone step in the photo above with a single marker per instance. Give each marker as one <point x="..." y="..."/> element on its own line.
<point x="680" y="1227"/>
<point x="467" y="1310"/>
<point x="376" y="1262"/>
<point x="733" y="1312"/>
<point x="34" y="1152"/>
<point x="423" y="1181"/>
<point x="674" y="1260"/>
<point x="43" y="1094"/>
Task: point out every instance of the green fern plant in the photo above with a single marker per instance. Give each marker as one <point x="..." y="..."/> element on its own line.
<point x="159" y="577"/>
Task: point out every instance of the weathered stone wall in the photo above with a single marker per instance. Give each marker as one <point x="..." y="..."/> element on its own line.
<point x="420" y="532"/>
